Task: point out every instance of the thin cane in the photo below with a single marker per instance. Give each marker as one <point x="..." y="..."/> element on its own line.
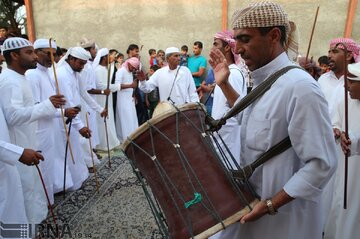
<point x="346" y="120"/>
<point x="92" y="156"/>
<point x="106" y="107"/>
<point x="48" y="200"/>
<point x="65" y="159"/>
<point x="312" y="34"/>
<point x="61" y="107"/>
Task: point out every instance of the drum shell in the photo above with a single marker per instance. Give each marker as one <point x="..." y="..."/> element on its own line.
<point x="218" y="192"/>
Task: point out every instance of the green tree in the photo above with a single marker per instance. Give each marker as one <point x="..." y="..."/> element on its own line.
<point x="9" y="15"/>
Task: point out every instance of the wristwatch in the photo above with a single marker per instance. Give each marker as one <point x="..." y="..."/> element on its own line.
<point x="102" y="92"/>
<point x="271" y="209"/>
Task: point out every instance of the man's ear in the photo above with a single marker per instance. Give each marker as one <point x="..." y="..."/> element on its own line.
<point x="15" y="55"/>
<point x="349" y="56"/>
<point x="227" y="48"/>
<point x="275" y="34"/>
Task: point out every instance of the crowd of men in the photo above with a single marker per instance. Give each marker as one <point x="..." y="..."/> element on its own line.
<point x="50" y="108"/>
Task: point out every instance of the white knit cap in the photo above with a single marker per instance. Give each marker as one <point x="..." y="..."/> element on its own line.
<point x="13" y="43"/>
<point x="171" y="50"/>
<point x="354" y="69"/>
<point x="44" y="43"/>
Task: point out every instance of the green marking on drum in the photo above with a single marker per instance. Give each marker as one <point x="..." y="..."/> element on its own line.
<point x="197" y="199"/>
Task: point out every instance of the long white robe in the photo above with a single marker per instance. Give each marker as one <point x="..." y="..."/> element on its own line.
<point x="69" y="87"/>
<point x="21" y="115"/>
<point x="230" y="132"/>
<point x="87" y="82"/>
<point x="49" y="134"/>
<point x="126" y="118"/>
<point x="294" y="106"/>
<point x="101" y="83"/>
<point x="181" y="91"/>
<point x="332" y="87"/>
<point x="343" y="223"/>
<point x="12" y="205"/>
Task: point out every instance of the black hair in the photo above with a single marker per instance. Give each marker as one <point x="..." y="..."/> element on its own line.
<point x="131" y="47"/>
<point x="111" y="51"/>
<point x="199" y="44"/>
<point x="154" y="67"/>
<point x="323" y="60"/>
<point x="151" y="51"/>
<point x="184" y="48"/>
<point x="7" y="55"/>
<point x="266" y="30"/>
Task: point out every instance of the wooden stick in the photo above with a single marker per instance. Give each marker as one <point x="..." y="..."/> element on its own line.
<point x="312" y="34"/>
<point x="48" y="200"/>
<point x="62" y="110"/>
<point x="346" y="119"/>
<point x="106" y="107"/>
<point x="91" y="153"/>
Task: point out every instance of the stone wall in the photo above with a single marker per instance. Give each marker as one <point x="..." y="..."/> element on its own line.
<point x="162" y="23"/>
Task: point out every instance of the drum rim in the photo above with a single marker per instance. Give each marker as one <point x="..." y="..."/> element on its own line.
<point x="142" y="128"/>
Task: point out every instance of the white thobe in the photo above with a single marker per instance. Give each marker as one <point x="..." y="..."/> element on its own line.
<point x="69" y="87"/>
<point x="21" y="115"/>
<point x="230" y="132"/>
<point x="87" y="82"/>
<point x="294" y="106"/>
<point x="329" y="85"/>
<point x="101" y="83"/>
<point x="126" y="118"/>
<point x="12" y="206"/>
<point x="49" y="133"/>
<point x="344" y="223"/>
<point x="181" y="91"/>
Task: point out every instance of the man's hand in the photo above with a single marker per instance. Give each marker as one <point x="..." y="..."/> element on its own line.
<point x="71" y="112"/>
<point x="30" y="157"/>
<point x="259" y="210"/>
<point x="345" y="144"/>
<point x="104" y="113"/>
<point x="337" y="133"/>
<point x="134" y="84"/>
<point x="220" y="67"/>
<point x="107" y="92"/>
<point x="141" y="76"/>
<point x="85" y="132"/>
<point x="57" y="100"/>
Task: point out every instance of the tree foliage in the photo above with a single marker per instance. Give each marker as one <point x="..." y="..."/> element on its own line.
<point x="9" y="15"/>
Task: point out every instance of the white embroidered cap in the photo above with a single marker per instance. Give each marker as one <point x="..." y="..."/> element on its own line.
<point x="13" y="43"/>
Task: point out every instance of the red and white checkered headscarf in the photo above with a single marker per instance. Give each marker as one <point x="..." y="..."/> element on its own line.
<point x="228" y="37"/>
<point x="134" y="61"/>
<point x="350" y="44"/>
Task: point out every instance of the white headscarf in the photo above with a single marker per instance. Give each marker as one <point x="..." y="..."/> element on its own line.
<point x="77" y="52"/>
<point x="44" y="43"/>
<point x="102" y="52"/>
<point x="354" y="69"/>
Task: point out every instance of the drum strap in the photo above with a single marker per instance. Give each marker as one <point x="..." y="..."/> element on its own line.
<point x="246" y="172"/>
<point x="256" y="93"/>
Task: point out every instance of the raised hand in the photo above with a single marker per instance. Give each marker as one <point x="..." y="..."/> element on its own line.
<point x="220" y="67"/>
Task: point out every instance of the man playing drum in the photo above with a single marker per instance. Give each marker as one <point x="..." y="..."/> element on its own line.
<point x="290" y="184"/>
